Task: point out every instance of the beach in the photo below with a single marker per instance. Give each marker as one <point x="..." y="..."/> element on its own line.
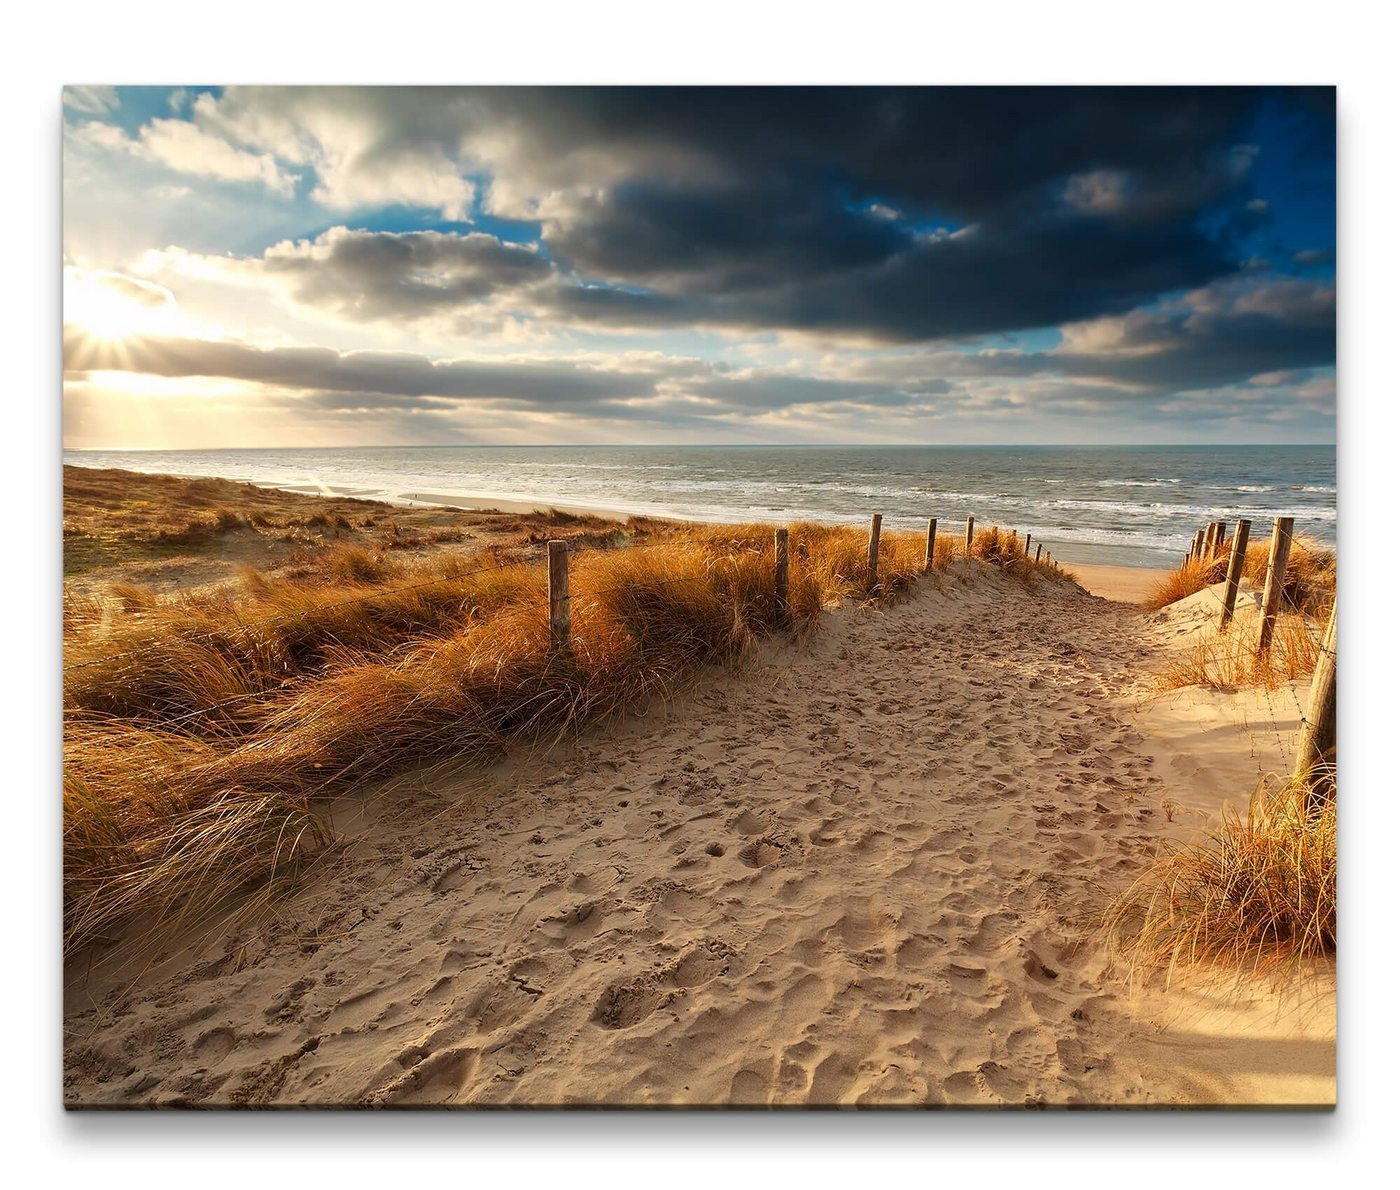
<point x="868" y="867"/>
<point x="1109" y="506"/>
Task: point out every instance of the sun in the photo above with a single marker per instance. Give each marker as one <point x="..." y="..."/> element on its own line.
<point x="111" y="306"/>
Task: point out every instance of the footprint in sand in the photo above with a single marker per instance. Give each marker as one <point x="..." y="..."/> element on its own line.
<point x="748" y="1088"/>
<point x="763" y="852"/>
<point x="630" y="1002"/>
<point x="214" y="1045"/>
<point x="439" y="1078"/>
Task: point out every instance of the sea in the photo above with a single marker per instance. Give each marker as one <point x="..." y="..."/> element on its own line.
<point x="1112" y="505"/>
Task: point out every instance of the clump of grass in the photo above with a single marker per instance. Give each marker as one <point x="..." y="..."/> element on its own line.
<point x="1005" y="548"/>
<point x="353" y="564"/>
<point x="1310" y="578"/>
<point x="203" y="529"/>
<point x="1259" y="893"/>
<point x="1188" y="578"/>
<point x="1229" y="660"/>
<point x="118" y="866"/>
<point x="82" y="612"/>
<point x="131" y="597"/>
<point x="998" y="546"/>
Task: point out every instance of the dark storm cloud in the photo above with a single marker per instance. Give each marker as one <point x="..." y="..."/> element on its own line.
<point x="1226" y="336"/>
<point x="1055" y="269"/>
<point x="320" y="368"/>
<point x="789" y="208"/>
<point x="1221" y="336"/>
<point x="370" y="379"/>
<point x="367" y="275"/>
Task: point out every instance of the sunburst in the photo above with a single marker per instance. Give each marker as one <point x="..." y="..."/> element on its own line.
<point x="112" y="306"/>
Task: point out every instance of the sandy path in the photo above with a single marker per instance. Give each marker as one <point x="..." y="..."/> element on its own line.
<point x="862" y="873"/>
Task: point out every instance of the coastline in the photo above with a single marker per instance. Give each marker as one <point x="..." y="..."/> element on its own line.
<point x="1123" y="583"/>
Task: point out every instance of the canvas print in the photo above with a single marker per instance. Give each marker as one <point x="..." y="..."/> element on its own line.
<point x="738" y="597"/>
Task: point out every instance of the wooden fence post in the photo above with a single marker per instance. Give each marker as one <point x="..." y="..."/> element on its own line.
<point x="1319" y="742"/>
<point x="967" y="544"/>
<point x="780" y="577"/>
<point x="1219" y="538"/>
<point x="1038" y="544"/>
<point x="1027" y="549"/>
<point x="928" y="548"/>
<point x="1208" y="550"/>
<point x="872" y="566"/>
<point x="560" y="630"/>
<point x="1233" y="572"/>
<point x="1273" y="583"/>
<point x="1197" y="543"/>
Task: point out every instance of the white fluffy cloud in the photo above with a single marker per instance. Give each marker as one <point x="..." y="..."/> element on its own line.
<point x="189" y="149"/>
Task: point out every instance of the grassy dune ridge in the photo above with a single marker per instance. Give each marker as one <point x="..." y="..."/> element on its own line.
<point x="203" y="728"/>
<point x="1309" y="586"/>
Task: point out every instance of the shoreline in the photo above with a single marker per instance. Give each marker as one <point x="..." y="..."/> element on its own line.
<point x="1118" y="580"/>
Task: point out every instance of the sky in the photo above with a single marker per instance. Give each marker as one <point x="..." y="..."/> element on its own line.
<point x="320" y="266"/>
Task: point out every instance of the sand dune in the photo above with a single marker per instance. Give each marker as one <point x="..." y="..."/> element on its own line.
<point x="866" y="871"/>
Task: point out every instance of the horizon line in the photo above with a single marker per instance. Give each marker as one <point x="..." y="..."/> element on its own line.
<point x="689" y="445"/>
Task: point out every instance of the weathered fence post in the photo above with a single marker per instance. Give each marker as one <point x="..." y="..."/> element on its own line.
<point x="967" y="544"/>
<point x="1027" y="549"/>
<point x="928" y="547"/>
<point x="780" y="577"/>
<point x="1273" y="582"/>
<point x="872" y="565"/>
<point x="1038" y="544"/>
<point x="1208" y="550"/>
<point x="1197" y="544"/>
<point x="1219" y="538"/>
<point x="560" y="631"/>
<point x="1319" y="742"/>
<point x="1233" y="572"/>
